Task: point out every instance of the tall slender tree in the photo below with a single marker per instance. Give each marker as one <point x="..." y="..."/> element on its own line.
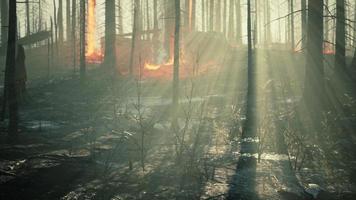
<point x="340" y="50"/>
<point x="135" y="29"/>
<point x="225" y="17"/>
<point x="28" y="24"/>
<point x="68" y="21"/>
<point x="238" y="21"/>
<point x="292" y="24"/>
<point x="218" y="17"/>
<point x="231" y="20"/>
<point x="314" y="86"/>
<point x="4" y="24"/>
<point x="74" y="36"/>
<point x="121" y="20"/>
<point x="211" y="15"/>
<point x="10" y="81"/>
<point x="175" y="97"/>
<point x="60" y="21"/>
<point x="82" y="39"/>
<point x="304" y="23"/>
<point x="110" y="34"/>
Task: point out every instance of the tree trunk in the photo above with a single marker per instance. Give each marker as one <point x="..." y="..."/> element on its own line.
<point x="69" y="32"/>
<point x="231" y="20"/>
<point x="211" y="15"/>
<point x="175" y="96"/>
<point x="251" y="77"/>
<point x="314" y="87"/>
<point x="74" y="38"/>
<point x="121" y="20"/>
<point x="4" y="23"/>
<point x="340" y="58"/>
<point x="135" y="28"/>
<point x="82" y="39"/>
<point x="304" y="23"/>
<point x="268" y="22"/>
<point x="60" y="20"/>
<point x="203" y="15"/>
<point x="238" y="22"/>
<point x="224" y="17"/>
<point x="292" y="24"/>
<point x="218" y="16"/>
<point x="28" y="26"/>
<point x="110" y="34"/>
<point x="10" y="81"/>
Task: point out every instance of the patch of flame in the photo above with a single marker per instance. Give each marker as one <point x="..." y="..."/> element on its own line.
<point x="93" y="54"/>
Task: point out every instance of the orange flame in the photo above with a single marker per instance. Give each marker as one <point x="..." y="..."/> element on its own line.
<point x="93" y="54"/>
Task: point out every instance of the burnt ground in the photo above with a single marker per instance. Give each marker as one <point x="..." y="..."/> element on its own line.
<point x="82" y="140"/>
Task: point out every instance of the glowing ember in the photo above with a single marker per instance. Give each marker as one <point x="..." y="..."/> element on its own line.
<point x="154" y="67"/>
<point x="93" y="54"/>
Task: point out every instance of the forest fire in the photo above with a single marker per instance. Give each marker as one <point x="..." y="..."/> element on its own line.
<point x="94" y="54"/>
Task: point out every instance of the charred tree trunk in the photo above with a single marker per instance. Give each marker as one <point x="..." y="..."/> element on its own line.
<point x="60" y="20"/>
<point x="82" y="39"/>
<point x="28" y="26"/>
<point x="4" y="24"/>
<point x="175" y="96"/>
<point x="238" y="22"/>
<point x="340" y="50"/>
<point x="74" y="37"/>
<point x="292" y="25"/>
<point x="211" y="15"/>
<point x="218" y="17"/>
<point x="268" y="21"/>
<point x="121" y="20"/>
<point x="231" y="20"/>
<point x="135" y="28"/>
<point x="314" y="88"/>
<point x="304" y="23"/>
<point x="224" y="17"/>
<point x="110" y="34"/>
<point x="10" y="81"/>
<point x="148" y="23"/>
<point x="203" y="15"/>
<point x="250" y="116"/>
<point x="69" y="32"/>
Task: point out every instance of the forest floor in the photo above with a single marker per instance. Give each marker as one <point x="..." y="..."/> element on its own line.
<point x="109" y="138"/>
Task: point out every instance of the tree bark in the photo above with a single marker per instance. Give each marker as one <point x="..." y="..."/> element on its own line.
<point x="224" y="17"/>
<point x="218" y="17"/>
<point x="231" y="20"/>
<point x="314" y="88"/>
<point x="10" y="81"/>
<point x="203" y="15"/>
<point x="250" y="114"/>
<point x="292" y="25"/>
<point x="69" y="32"/>
<point x="28" y="26"/>
<point x="60" y="20"/>
<point x="175" y="96"/>
<point x="121" y="20"/>
<point x="304" y="23"/>
<point x="4" y="23"/>
<point x="82" y="39"/>
<point x="340" y="50"/>
<point x="110" y="34"/>
<point x="135" y="28"/>
<point x="238" y="22"/>
<point x="74" y="37"/>
<point x="211" y="13"/>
